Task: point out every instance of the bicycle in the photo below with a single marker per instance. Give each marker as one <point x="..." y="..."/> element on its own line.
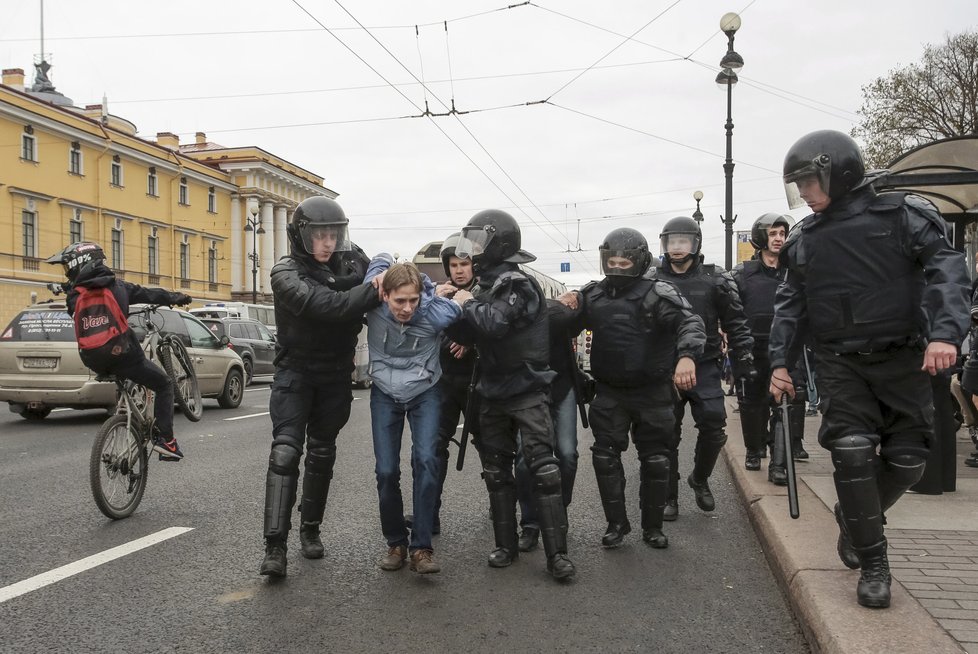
<point x="120" y="454"/>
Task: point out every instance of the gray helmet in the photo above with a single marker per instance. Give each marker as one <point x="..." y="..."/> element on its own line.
<point x="315" y="217"/>
<point x="758" y="231"/>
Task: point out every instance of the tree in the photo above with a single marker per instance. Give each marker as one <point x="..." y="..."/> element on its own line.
<point x="922" y="102"/>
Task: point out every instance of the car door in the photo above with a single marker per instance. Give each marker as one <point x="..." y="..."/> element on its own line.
<point x="210" y="360"/>
<point x="267" y="348"/>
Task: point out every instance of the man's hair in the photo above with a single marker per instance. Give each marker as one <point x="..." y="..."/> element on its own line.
<point x="401" y="274"/>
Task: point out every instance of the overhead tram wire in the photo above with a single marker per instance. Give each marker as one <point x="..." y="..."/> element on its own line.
<point x="473" y="137"/>
<point x="104" y="37"/>
<point x="607" y="54"/>
<point x="417" y="41"/>
<point x="410" y="101"/>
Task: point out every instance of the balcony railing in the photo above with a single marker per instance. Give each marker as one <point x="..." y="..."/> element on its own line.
<point x="31" y="264"/>
<point x="153" y="279"/>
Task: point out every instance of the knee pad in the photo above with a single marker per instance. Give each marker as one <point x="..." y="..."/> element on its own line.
<point x="284" y="460"/>
<point x="656" y="466"/>
<point x="905" y="469"/>
<point x="497" y="478"/>
<point x="855" y="451"/>
<point x="605" y="461"/>
<point x="546" y="479"/>
<point x="321" y="459"/>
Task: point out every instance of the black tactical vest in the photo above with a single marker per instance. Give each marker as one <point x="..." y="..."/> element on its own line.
<point x="758" y="286"/>
<point x="863" y="292"/>
<point x="698" y="285"/>
<point x="625" y="351"/>
<point x="528" y="343"/>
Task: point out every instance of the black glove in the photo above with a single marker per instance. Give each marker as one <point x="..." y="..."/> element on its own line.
<point x="180" y="299"/>
<point x="743" y="368"/>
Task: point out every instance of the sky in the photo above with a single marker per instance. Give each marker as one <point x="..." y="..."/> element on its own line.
<point x="583" y="116"/>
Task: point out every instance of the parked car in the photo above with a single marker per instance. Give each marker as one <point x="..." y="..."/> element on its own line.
<point x="40" y="368"/>
<point x="252" y="340"/>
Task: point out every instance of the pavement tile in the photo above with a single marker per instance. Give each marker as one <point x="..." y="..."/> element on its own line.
<point x="968" y="604"/>
<point x="961" y="574"/>
<point x="966" y="636"/>
<point x="921" y="565"/>
<point x="946" y="594"/>
<point x="939" y="604"/>
<point x="914" y="586"/>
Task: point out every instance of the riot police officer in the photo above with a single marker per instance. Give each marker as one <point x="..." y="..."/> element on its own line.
<point x="757" y="282"/>
<point x="508" y="321"/>
<point x="714" y="298"/>
<point x="319" y="307"/>
<point x="885" y="297"/>
<point x="645" y="337"/>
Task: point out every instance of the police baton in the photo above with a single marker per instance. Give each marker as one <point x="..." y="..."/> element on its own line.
<point x="463" y="441"/>
<point x="579" y="392"/>
<point x="789" y="463"/>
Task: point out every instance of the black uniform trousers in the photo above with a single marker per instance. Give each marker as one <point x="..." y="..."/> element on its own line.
<point x="308" y="405"/>
<point x="646" y="412"/>
<point x="706" y="403"/>
<point x="528" y="413"/>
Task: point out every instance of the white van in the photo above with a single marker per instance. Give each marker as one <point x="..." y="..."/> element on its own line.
<point x="263" y="313"/>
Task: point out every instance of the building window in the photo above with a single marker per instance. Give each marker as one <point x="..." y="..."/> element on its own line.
<point x="75" y="232"/>
<point x="184" y="261"/>
<point x="152" y="258"/>
<point x="75" y="159"/>
<point x="151" y="181"/>
<point x="184" y="191"/>
<point x="116" y="171"/>
<point x="211" y="200"/>
<point x="28" y="147"/>
<point x="29" y="232"/>
<point x="117" y="248"/>
<point x="212" y="263"/>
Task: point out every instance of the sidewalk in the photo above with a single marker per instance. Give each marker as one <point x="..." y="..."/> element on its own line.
<point x="933" y="556"/>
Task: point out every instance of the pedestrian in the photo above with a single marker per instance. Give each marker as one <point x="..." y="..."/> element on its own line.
<point x="563" y="413"/>
<point x="319" y="306"/>
<point x="646" y="340"/>
<point x="757" y="283"/>
<point x="714" y="298"/>
<point x="404" y="335"/>
<point x="508" y="322"/>
<point x="884" y="296"/>
<point x="98" y="303"/>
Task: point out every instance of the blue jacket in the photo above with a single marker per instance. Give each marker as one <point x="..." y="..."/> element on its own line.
<point x="404" y="359"/>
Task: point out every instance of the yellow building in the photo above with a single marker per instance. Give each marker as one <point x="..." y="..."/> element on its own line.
<point x="166" y="215"/>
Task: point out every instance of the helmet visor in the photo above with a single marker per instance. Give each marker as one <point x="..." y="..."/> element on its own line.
<point x="679" y="245"/>
<point x="622" y="263"/>
<point x="798" y="183"/>
<point x="325" y="239"/>
<point x="474" y="241"/>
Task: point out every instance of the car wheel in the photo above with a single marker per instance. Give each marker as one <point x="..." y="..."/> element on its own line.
<point x="249" y="370"/>
<point x="233" y="392"/>
<point x="35" y="414"/>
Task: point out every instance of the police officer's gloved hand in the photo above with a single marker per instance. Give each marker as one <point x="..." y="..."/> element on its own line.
<point x="181" y="299"/>
<point x="743" y="368"/>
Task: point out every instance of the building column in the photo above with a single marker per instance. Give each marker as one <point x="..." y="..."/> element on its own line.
<point x="281" y="242"/>
<point x="267" y="246"/>
<point x="237" y="243"/>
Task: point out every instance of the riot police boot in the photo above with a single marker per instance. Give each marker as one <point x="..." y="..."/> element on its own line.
<point x="281" y="483"/>
<point x="844" y="547"/>
<point x="704" y="496"/>
<point x="502" y="508"/>
<point x="796" y="415"/>
<point x="652" y="493"/>
<point x="777" y="474"/>
<point x="529" y="538"/>
<point x="312" y="545"/>
<point x="275" y="563"/>
<point x="873" y="589"/>
<point x="753" y="420"/>
<point x="752" y="461"/>
<point x="611" y="486"/>
<point x="671" y="512"/>
<point x="552" y="515"/>
<point x="312" y="506"/>
<point x="798" y="452"/>
<point x="560" y="567"/>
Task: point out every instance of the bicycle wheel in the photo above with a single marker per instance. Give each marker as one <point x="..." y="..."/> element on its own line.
<point x="177" y="363"/>
<point x="117" y="469"/>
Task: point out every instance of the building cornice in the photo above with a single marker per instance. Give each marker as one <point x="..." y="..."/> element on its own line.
<point x="30" y="194"/>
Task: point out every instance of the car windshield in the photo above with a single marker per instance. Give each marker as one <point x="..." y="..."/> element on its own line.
<point x="40" y="326"/>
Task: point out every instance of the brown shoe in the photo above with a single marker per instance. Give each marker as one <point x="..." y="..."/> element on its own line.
<point x="423" y="563"/>
<point x="394" y="559"/>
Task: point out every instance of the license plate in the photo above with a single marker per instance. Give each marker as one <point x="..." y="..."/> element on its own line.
<point x="40" y="363"/>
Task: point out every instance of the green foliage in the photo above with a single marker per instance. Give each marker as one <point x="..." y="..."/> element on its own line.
<point x="934" y="99"/>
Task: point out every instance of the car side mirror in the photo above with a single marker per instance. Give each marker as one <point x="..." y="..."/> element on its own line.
<point x="223" y="341"/>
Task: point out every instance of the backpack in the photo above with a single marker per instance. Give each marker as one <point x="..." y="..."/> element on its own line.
<point x="101" y="328"/>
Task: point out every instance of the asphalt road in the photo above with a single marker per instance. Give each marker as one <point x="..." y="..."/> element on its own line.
<point x="711" y="591"/>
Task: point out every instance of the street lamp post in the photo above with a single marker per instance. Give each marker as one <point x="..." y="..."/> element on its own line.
<point x="698" y="215"/>
<point x="253" y="225"/>
<point x="727" y="77"/>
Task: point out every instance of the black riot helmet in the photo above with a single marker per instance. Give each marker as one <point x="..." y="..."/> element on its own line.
<point x="315" y="220"/>
<point x="449" y="249"/>
<point x="678" y="234"/>
<point x="491" y="237"/>
<point x="831" y="157"/>
<point x="758" y="231"/>
<point x="624" y="243"/>
<point x="78" y="257"/>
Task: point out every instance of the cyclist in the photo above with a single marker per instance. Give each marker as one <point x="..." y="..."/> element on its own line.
<point x="105" y="342"/>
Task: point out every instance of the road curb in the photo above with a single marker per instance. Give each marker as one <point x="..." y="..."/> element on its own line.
<point x="821" y="591"/>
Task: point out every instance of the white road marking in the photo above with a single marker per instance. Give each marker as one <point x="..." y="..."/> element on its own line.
<point x="250" y="415"/>
<point x="255" y="390"/>
<point x="57" y="410"/>
<point x="89" y="562"/>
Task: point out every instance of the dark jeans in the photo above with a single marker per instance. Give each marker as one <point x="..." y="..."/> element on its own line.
<point x="454" y="393"/>
<point x="387" y="420"/>
<point x="564" y="416"/>
<point x="150" y="375"/>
